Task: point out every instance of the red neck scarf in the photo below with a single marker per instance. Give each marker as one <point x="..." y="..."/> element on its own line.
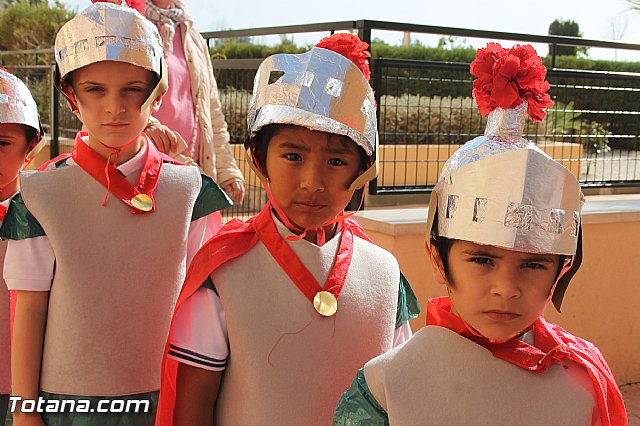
<point x="293" y="266"/>
<point x="139" y="196"/>
<point x="552" y="344"/>
<point x="235" y="239"/>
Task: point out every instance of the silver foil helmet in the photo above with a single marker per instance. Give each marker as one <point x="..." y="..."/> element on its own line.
<point x="308" y="90"/>
<point x="16" y="103"/>
<point x="110" y="32"/>
<point x="501" y="190"/>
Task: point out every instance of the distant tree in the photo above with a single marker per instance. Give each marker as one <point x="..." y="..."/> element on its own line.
<point x="27" y="25"/>
<point x="568" y="28"/>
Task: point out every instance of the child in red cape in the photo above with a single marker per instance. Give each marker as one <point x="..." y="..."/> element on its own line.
<point x="296" y="297"/>
<point x="504" y="237"/>
<point x="20" y="133"/>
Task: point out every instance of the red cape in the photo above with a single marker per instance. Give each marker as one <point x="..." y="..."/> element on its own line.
<point x="234" y="239"/>
<point x="553" y="343"/>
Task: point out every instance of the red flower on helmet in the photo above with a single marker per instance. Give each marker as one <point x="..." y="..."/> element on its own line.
<point x="351" y="47"/>
<point x="139" y="5"/>
<point x="508" y="77"/>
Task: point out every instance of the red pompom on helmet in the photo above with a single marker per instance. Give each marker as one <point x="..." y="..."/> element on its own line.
<point x="351" y="47"/>
<point x="139" y="5"/>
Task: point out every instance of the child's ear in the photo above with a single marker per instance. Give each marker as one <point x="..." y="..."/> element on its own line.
<point x="436" y="263"/>
<point x="72" y="101"/>
<point x="155" y="104"/>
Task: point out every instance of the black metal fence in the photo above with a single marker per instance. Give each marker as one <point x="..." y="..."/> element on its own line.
<point x="593" y="128"/>
<point x="425" y="110"/>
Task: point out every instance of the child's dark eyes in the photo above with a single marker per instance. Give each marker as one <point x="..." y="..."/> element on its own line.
<point x="94" y="89"/>
<point x="135" y="89"/>
<point x="292" y="156"/>
<point x="4" y="143"/>
<point x="481" y="260"/>
<point x="533" y="265"/>
<point x="336" y="162"/>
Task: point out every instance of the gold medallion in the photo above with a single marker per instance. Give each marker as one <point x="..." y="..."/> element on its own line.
<point x="325" y="303"/>
<point x="142" y="202"/>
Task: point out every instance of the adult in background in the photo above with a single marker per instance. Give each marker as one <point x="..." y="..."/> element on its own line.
<point x="191" y="114"/>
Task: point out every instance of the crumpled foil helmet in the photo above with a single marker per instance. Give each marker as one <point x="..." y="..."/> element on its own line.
<point x="502" y="190"/>
<point x="16" y="103"/>
<point x="110" y="32"/>
<point x="308" y="90"/>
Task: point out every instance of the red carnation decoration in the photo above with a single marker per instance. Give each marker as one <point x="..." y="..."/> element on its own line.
<point x="139" y="5"/>
<point x="351" y="47"/>
<point x="508" y="77"/>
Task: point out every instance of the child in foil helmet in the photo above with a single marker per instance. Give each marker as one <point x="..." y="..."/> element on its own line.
<point x="100" y="239"/>
<point x="20" y="133"/>
<point x="504" y="238"/>
<point x="277" y="312"/>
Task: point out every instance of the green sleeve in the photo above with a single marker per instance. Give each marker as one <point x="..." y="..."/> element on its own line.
<point x="210" y="199"/>
<point x="358" y="407"/>
<point x="408" y="306"/>
<point x="19" y="223"/>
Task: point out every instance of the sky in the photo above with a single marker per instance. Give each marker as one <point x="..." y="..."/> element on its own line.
<point x="598" y="19"/>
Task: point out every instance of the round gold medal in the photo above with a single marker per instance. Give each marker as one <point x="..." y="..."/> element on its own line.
<point x="325" y="303"/>
<point x="142" y="202"/>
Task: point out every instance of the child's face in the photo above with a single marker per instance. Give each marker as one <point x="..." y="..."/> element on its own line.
<point x="498" y="292"/>
<point x="14" y="147"/>
<point x="109" y="95"/>
<point x="310" y="173"/>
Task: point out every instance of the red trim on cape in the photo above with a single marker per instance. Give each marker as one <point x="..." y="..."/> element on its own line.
<point x="553" y="344"/>
<point x="234" y="239"/>
<point x="165" y="157"/>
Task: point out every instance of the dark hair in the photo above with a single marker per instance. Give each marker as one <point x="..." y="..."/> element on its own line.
<point x="260" y="145"/>
<point x="443" y="246"/>
<point x="30" y="136"/>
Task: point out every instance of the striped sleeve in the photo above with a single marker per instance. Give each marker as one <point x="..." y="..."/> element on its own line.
<point x="199" y="334"/>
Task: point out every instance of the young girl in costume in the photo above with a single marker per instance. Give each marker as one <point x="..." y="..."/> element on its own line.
<point x="20" y="132"/>
<point x="504" y="237"/>
<point x="100" y="240"/>
<point x="276" y="313"/>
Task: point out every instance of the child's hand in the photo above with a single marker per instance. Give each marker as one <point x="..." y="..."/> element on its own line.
<point x="165" y="139"/>
<point x="235" y="190"/>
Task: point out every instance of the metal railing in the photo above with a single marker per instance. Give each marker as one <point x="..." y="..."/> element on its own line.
<point x="425" y="110"/>
<point x="590" y="129"/>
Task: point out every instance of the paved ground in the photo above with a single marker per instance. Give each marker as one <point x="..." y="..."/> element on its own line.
<point x="616" y="164"/>
<point x="631" y="395"/>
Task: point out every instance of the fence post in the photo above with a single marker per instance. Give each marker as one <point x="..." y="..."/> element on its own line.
<point x="364" y="33"/>
<point x="376" y="85"/>
<point x="54" y="147"/>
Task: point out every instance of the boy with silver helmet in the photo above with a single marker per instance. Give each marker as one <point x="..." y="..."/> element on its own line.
<point x="112" y="226"/>
<point x="288" y="296"/>
<point x="504" y="238"/>
<point x="20" y="133"/>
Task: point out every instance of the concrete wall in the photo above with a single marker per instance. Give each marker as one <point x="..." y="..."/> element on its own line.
<point x="602" y="303"/>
